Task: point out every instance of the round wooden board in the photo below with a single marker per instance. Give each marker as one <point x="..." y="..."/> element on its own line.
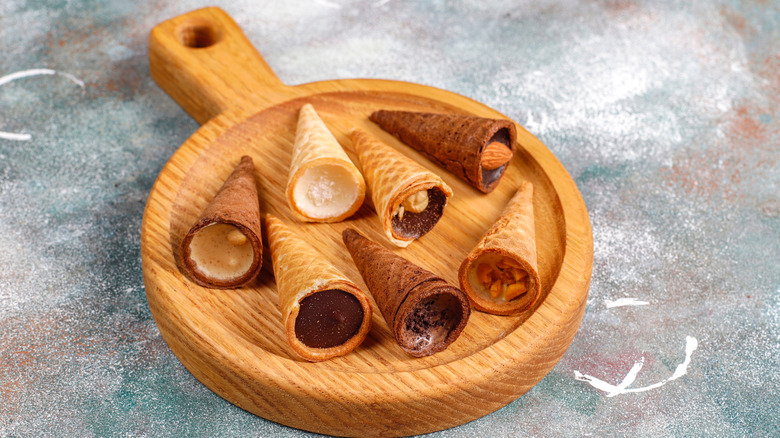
<point x="233" y="340"/>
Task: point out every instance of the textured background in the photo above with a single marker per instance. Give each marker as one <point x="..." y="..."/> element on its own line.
<point x="666" y="114"/>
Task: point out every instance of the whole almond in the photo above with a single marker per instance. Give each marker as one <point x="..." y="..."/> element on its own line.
<point x="495" y="155"/>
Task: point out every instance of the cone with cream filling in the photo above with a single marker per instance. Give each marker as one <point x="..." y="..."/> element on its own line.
<point x="324" y="313"/>
<point x="409" y="199"/>
<point x="424" y="313"/>
<point x="500" y="275"/>
<point x="324" y="185"/>
<point x="224" y="248"/>
<point x="476" y="149"/>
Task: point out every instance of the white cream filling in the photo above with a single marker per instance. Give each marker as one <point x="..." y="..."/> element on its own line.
<point x="221" y="252"/>
<point x="326" y="191"/>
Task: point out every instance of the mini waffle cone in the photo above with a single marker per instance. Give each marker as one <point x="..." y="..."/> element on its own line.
<point x="391" y="178"/>
<point x="236" y="204"/>
<point x="453" y="141"/>
<point x="300" y="271"/>
<point x="512" y="235"/>
<point x="397" y="286"/>
<point x="315" y="146"/>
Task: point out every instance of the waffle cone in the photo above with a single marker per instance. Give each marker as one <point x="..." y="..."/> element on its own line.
<point x="454" y="142"/>
<point x="400" y="288"/>
<point x="301" y="271"/>
<point x="391" y="178"/>
<point x="236" y="203"/>
<point x="316" y="146"/>
<point x="512" y="235"/>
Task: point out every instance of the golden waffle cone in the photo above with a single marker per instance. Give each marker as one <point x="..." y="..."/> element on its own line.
<point x="301" y="271"/>
<point x="316" y="146"/>
<point x="235" y="204"/>
<point x="512" y="235"/>
<point x="391" y="178"/>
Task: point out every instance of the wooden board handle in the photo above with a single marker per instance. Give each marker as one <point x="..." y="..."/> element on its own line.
<point x="206" y="63"/>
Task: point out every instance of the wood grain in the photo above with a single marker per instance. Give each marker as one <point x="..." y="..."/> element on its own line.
<point x="233" y="341"/>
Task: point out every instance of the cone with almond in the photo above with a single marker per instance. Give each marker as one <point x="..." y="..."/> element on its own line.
<point x="476" y="149"/>
<point x="424" y="312"/>
<point x="500" y="274"/>
<point x="324" y="185"/>
<point x="324" y="313"/>
<point x="408" y="198"/>
<point x="224" y="248"/>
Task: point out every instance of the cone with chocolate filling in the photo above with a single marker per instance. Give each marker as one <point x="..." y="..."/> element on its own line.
<point x="500" y="274"/>
<point x="324" y="185"/>
<point x="224" y="249"/>
<point x="424" y="313"/>
<point x="324" y="313"/>
<point x="475" y="149"/>
<point x="408" y="198"/>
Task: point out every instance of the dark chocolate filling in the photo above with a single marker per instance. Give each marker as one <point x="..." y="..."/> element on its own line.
<point x="432" y="320"/>
<point x="414" y="225"/>
<point x="328" y="318"/>
<point x="490" y="176"/>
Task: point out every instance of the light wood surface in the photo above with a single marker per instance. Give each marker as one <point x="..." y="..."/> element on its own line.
<point x="233" y="340"/>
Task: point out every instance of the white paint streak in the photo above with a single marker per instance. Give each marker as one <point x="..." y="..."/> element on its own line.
<point x="612" y="390"/>
<point x="25" y="74"/>
<point x="629" y="379"/>
<point x="624" y="302"/>
<point x="14" y="136"/>
<point x="38" y="72"/>
<point x="328" y="4"/>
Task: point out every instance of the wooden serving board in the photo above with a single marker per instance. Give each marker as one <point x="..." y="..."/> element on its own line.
<point x="233" y="340"/>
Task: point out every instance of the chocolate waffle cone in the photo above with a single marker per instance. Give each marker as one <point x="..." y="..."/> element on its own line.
<point x="206" y="254"/>
<point x="510" y="242"/>
<point x="455" y="142"/>
<point x="329" y="186"/>
<point x="324" y="313"/>
<point x="424" y="313"/>
<point x="392" y="178"/>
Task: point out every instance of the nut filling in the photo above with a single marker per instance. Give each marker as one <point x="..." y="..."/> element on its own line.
<point x="489" y="173"/>
<point x="499" y="277"/>
<point x="418" y="213"/>
<point x="416" y="203"/>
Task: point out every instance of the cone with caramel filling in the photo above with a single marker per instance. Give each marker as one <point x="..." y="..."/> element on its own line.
<point x="500" y="274"/>
<point x="476" y="149"/>
<point x="424" y="313"/>
<point x="324" y="185"/>
<point x="324" y="313"/>
<point x="409" y="199"/>
<point x="224" y="249"/>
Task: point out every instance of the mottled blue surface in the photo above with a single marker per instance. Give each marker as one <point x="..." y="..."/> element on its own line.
<point x="666" y="114"/>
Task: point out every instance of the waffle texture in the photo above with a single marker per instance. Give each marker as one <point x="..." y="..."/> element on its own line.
<point x="300" y="270"/>
<point x="399" y="286"/>
<point x="391" y="178"/>
<point x="236" y="203"/>
<point x="512" y="235"/>
<point x="455" y="142"/>
<point x="315" y="146"/>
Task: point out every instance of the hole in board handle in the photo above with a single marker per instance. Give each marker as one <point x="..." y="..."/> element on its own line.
<point x="197" y="34"/>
